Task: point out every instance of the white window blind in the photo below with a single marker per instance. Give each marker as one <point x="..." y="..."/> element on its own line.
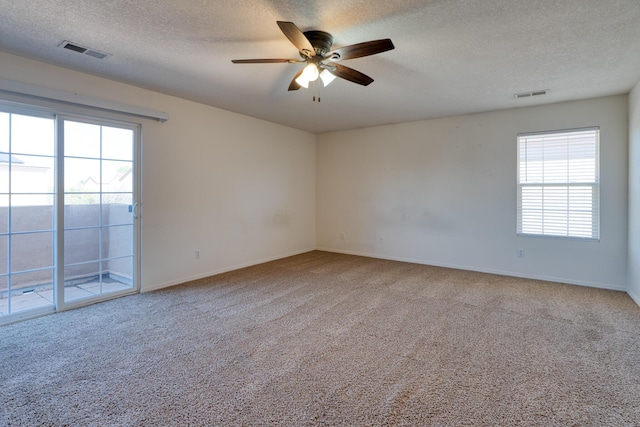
<point x="559" y="183"/>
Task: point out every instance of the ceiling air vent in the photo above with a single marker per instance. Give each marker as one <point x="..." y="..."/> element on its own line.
<point x="530" y="94"/>
<point x="80" y="49"/>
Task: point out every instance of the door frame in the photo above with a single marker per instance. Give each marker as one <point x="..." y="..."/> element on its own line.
<point x="60" y="304"/>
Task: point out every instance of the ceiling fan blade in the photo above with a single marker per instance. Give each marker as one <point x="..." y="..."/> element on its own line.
<point x="351" y="75"/>
<point x="265" y="61"/>
<point x="296" y="37"/>
<point x="359" y="50"/>
<point x="294" y="84"/>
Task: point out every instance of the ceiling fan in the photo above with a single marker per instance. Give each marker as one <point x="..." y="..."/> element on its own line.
<point x="314" y="48"/>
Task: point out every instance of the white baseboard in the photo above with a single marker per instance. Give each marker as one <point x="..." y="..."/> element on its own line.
<point x="634" y="297"/>
<point x="155" y="287"/>
<point x="480" y="269"/>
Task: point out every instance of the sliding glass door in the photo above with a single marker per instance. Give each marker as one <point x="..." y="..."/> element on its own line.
<point x="98" y="209"/>
<point x="68" y="226"/>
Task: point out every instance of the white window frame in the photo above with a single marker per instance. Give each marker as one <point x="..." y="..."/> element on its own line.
<point x="558" y="184"/>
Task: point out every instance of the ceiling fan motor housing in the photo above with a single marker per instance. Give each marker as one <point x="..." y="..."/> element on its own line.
<point x="320" y="40"/>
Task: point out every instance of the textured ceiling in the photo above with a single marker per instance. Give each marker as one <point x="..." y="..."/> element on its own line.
<point x="452" y="56"/>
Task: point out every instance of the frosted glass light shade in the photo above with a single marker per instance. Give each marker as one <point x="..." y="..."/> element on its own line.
<point x="327" y="77"/>
<point x="303" y="81"/>
<point x="311" y="72"/>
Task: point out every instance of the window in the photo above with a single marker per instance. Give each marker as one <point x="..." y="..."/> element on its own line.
<point x="559" y="183"/>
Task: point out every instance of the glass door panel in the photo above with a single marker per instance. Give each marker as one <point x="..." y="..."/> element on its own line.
<point x="99" y="210"/>
<point x="27" y="190"/>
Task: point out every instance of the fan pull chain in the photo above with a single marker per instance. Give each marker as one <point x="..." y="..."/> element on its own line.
<point x="316" y="90"/>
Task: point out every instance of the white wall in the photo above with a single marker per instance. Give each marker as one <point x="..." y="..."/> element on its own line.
<point x="440" y="192"/>
<point x="443" y="192"/>
<point x="633" y="287"/>
<point x="238" y="189"/>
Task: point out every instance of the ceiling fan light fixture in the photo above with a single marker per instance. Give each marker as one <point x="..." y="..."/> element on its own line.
<point x="311" y="72"/>
<point x="327" y="77"/>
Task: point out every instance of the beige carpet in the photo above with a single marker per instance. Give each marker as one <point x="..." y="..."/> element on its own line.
<point x="328" y="339"/>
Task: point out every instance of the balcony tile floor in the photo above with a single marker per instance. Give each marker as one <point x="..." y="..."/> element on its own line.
<point x="44" y="298"/>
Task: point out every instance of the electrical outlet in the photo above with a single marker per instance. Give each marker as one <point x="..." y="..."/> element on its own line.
<point x="380" y="239"/>
<point x="341" y="236"/>
<point x="197" y="254"/>
<point x="520" y="253"/>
